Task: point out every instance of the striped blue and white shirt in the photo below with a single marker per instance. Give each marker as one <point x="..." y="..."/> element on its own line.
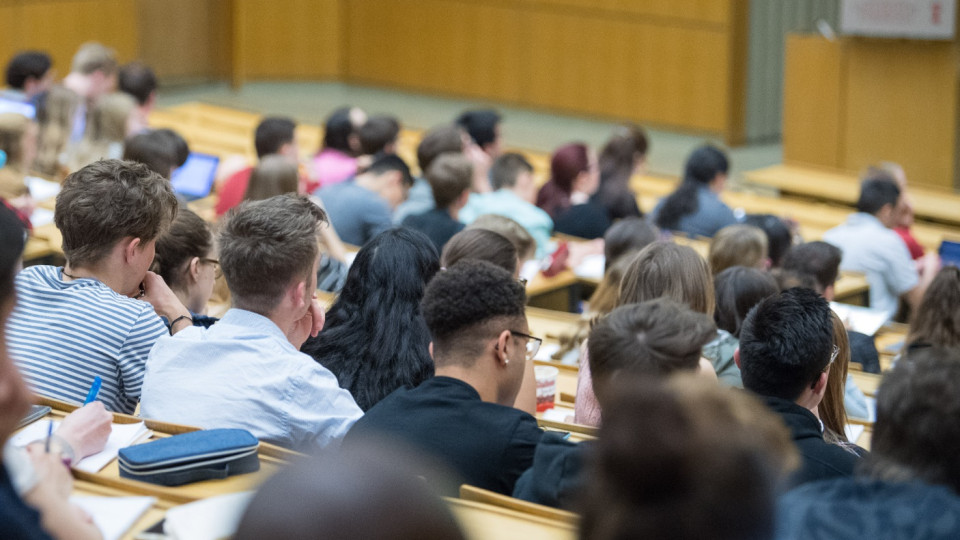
<point x="62" y="334"/>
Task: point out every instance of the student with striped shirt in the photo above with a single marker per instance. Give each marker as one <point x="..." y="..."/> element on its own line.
<point x="99" y="314"/>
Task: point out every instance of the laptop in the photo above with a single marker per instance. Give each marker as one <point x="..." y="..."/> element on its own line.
<point x="194" y="179"/>
<point x="950" y="253"/>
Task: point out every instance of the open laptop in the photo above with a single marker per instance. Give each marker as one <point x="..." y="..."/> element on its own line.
<point x="950" y="252"/>
<point x="194" y="179"/>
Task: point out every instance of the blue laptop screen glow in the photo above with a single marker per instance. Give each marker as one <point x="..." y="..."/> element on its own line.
<point x="195" y="178"/>
<point x="950" y="252"/>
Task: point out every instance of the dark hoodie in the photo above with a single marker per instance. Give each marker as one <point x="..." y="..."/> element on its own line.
<point x="555" y="477"/>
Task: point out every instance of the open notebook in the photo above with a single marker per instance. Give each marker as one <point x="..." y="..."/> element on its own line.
<point x="121" y="436"/>
<point x="114" y="516"/>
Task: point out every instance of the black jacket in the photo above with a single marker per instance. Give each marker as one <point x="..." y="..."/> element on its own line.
<point x="555" y="478"/>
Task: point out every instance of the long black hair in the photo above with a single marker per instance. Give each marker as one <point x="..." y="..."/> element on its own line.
<point x="703" y="165"/>
<point x="375" y="339"/>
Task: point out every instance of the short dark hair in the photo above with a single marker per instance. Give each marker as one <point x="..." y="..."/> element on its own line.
<point x="187" y="237"/>
<point x="178" y="143"/>
<point x="481" y="245"/>
<point x="138" y="80"/>
<point x="481" y="125"/>
<point x="738" y="289"/>
<point x="450" y="175"/>
<point x="785" y="343"/>
<point x="107" y="201"/>
<point x="391" y="162"/>
<point x="272" y="133"/>
<point x="27" y="65"/>
<point x="506" y="169"/>
<point x="625" y="238"/>
<point x="265" y="245"/>
<point x="788" y="279"/>
<point x="877" y="191"/>
<point x="377" y="132"/>
<point x="819" y="259"/>
<point x="337" y="130"/>
<point x="657" y="337"/>
<point x="464" y="297"/>
<point x="439" y="140"/>
<point x="916" y="435"/>
<point x="153" y="150"/>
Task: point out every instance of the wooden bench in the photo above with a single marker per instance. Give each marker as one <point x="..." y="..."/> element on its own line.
<point x="480" y="495"/>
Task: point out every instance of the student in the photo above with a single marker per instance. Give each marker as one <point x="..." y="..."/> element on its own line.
<point x="274" y="136"/>
<point x="695" y="208"/>
<point x="93" y="74"/>
<point x="162" y="150"/>
<point x="483" y="126"/>
<point x="870" y="246"/>
<point x="779" y="233"/>
<point x="379" y="135"/>
<point x="336" y="161"/>
<point x="684" y="460"/>
<point x="786" y="347"/>
<point x="514" y="194"/>
<point x="18" y="139"/>
<point x="187" y="261"/>
<point x="908" y="486"/>
<point x="449" y="176"/>
<point x="905" y="211"/>
<point x="364" y="493"/>
<point x="738" y="245"/>
<point x="99" y="314"/>
<point x="274" y="175"/>
<point x="738" y="289"/>
<point x="623" y="155"/>
<point x="360" y="209"/>
<point x="111" y="120"/>
<point x="55" y="115"/>
<point x="375" y="339"/>
<point x="660" y="270"/>
<point x="481" y="245"/>
<point x="626" y="238"/>
<point x="832" y="410"/>
<point x="566" y="196"/>
<point x="463" y="416"/>
<point x="512" y="231"/>
<point x="246" y="371"/>
<point x="29" y="75"/>
<point x="138" y="80"/>
<point x="436" y="141"/>
<point x="937" y="320"/>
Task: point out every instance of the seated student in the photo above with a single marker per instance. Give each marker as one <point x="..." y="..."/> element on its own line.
<point x="626" y="238"/>
<point x="111" y="121"/>
<point x="449" y="176"/>
<point x="905" y="213"/>
<point x="870" y="246"/>
<point x="55" y="115"/>
<point x="832" y="410"/>
<point x="138" y="80"/>
<point x="29" y="75"/>
<point x="738" y="245"/>
<point x="187" y="261"/>
<point x="375" y="339"/>
<point x="274" y="136"/>
<point x="36" y="505"/>
<point x="481" y="245"/>
<point x="909" y="484"/>
<point x="514" y="193"/>
<point x="246" y="371"/>
<point x="379" y="135"/>
<point x="93" y="74"/>
<point x="360" y="209"/>
<point x="274" y="175"/>
<point x="483" y="127"/>
<point x="659" y="270"/>
<point x="336" y="160"/>
<point x="566" y="196"/>
<point x="937" y="321"/>
<point x="463" y="417"/>
<point x="779" y="233"/>
<point x="822" y="261"/>
<point x="18" y="139"/>
<point x="738" y="289"/>
<point x="623" y="155"/>
<point x="684" y="460"/>
<point x="364" y="493"/>
<point x="695" y="208"/>
<point x="162" y="150"/>
<point x="99" y="314"/>
<point x="786" y="347"/>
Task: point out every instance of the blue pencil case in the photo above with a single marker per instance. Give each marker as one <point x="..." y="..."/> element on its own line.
<point x="191" y="457"/>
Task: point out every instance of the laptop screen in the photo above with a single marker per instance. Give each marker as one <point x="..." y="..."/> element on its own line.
<point x="950" y="252"/>
<point x="13" y="106"/>
<point x="194" y="179"/>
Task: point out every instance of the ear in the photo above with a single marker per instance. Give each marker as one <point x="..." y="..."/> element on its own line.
<point x="131" y="248"/>
<point x="820" y="385"/>
<point x="297" y="294"/>
<point x="736" y="357"/>
<point x="194" y="269"/>
<point x="430" y="349"/>
<point x="462" y="199"/>
<point x="830" y="292"/>
<point x="501" y="349"/>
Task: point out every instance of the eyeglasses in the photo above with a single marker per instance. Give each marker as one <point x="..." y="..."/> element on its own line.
<point x="522" y="282"/>
<point x="533" y="343"/>
<point x="218" y="272"/>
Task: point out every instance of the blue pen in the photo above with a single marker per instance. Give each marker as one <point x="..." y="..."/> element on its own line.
<point x="94" y="390"/>
<point x="46" y="445"/>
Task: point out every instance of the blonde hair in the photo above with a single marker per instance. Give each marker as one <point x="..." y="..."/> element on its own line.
<point x="513" y="231"/>
<point x="92" y="57"/>
<point x="13" y="127"/>
<point x="737" y="245"/>
<point x="274" y="175"/>
<point x="106" y="125"/>
<point x="664" y="269"/>
<point x="56" y="117"/>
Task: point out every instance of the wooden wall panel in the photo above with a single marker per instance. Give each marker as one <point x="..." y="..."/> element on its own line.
<point x="813" y="101"/>
<point x="185" y="39"/>
<point x="289" y="39"/>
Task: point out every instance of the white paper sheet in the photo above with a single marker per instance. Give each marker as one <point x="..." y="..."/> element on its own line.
<point x="121" y="436"/>
<point x="853" y="431"/>
<point x="860" y="319"/>
<point x="207" y="519"/>
<point x="41" y="217"/>
<point x="591" y="267"/>
<point x="114" y="516"/>
<point x="41" y="189"/>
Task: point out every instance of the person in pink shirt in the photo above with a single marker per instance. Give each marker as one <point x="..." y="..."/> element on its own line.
<point x="337" y="159"/>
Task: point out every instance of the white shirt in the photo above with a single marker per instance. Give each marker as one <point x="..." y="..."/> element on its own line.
<point x="242" y="372"/>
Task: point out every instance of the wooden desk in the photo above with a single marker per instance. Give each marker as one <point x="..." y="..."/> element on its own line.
<point x="147" y="520"/>
<point x="557" y="292"/>
<point x="483" y="521"/>
<point x="852" y="288"/>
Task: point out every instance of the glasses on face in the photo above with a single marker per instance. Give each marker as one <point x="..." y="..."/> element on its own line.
<point x="218" y="272"/>
<point x="522" y="282"/>
<point x="533" y="343"/>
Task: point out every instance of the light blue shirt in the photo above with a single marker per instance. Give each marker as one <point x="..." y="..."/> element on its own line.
<point x="504" y="202"/>
<point x="243" y="373"/>
<point x="356" y="213"/>
<point x="870" y="247"/>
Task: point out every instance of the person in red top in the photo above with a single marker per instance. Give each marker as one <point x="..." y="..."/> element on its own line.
<point x="274" y="136"/>
<point x="904" y="210"/>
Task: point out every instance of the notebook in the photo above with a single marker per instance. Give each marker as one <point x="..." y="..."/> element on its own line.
<point x="194" y="179"/>
<point x="121" y="436"/>
<point x="114" y="516"/>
